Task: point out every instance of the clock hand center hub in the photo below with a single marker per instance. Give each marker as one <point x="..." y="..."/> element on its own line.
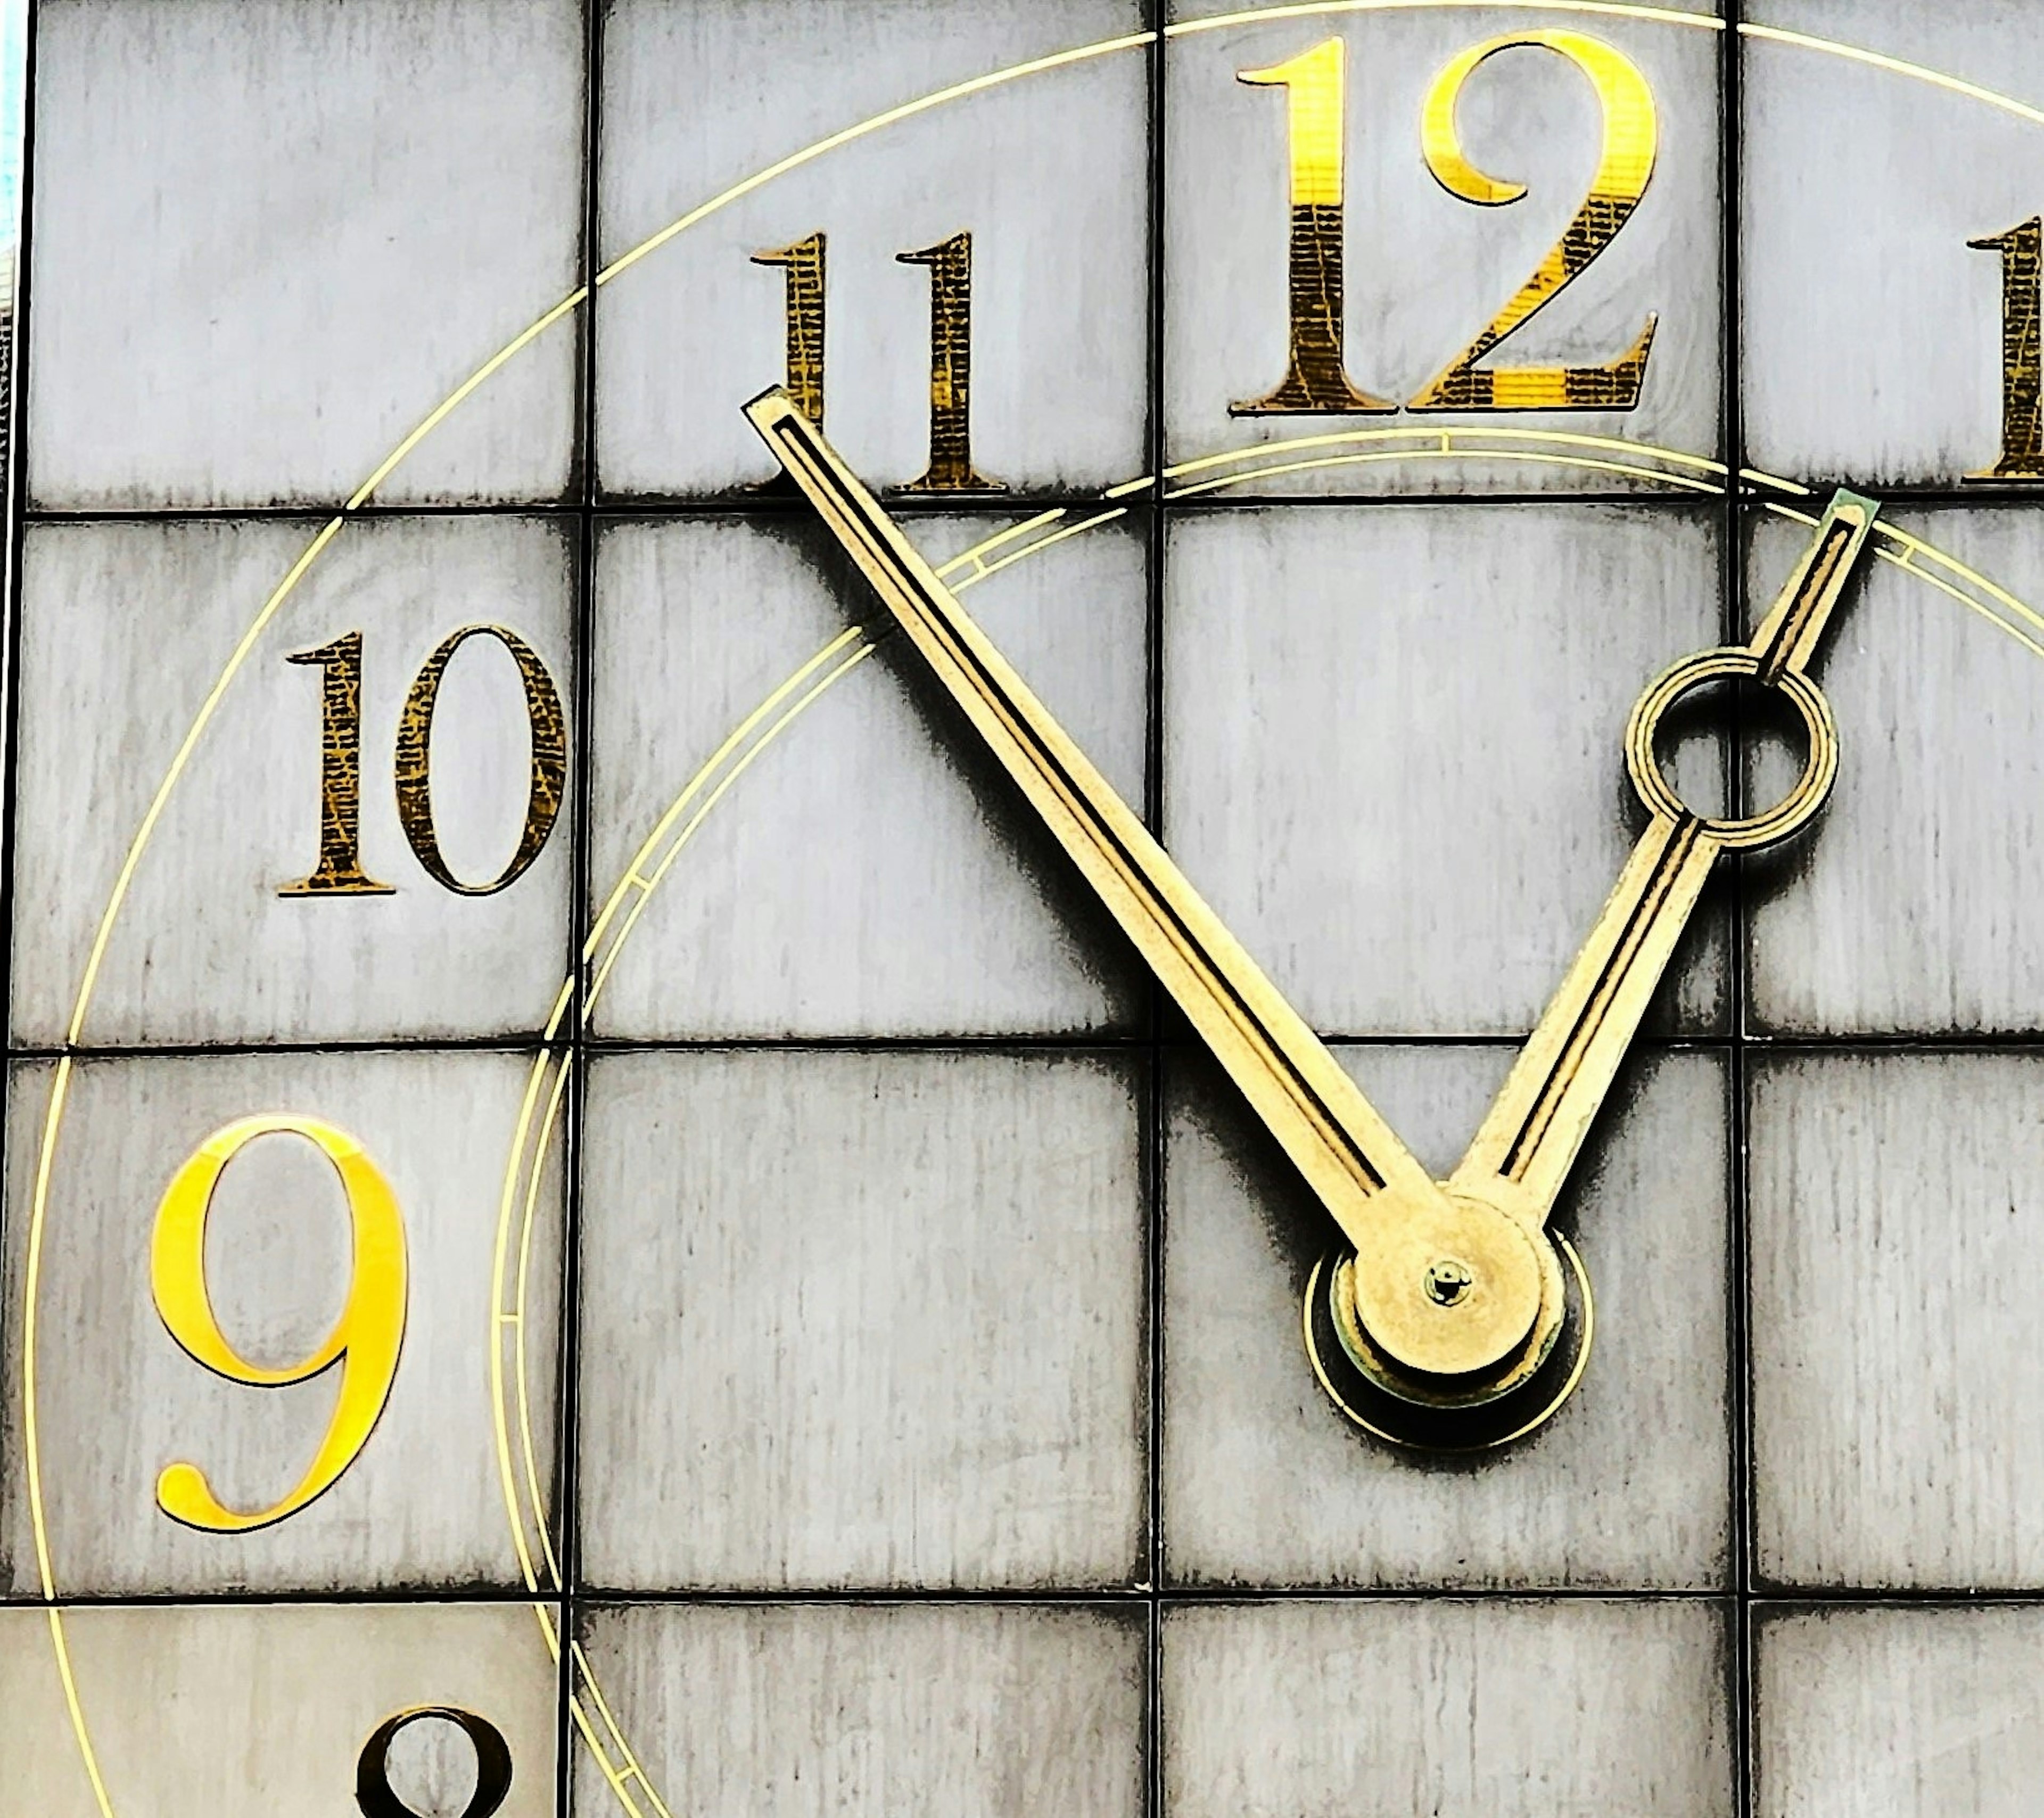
<point x="1450" y="1291"/>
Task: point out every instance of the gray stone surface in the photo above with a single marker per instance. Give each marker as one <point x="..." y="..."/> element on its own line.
<point x="818" y="1709"/>
<point x="1918" y="1712"/>
<point x="872" y="1319"/>
<point x="1895" y="1371"/>
<point x="1267" y="1484"/>
<point x="270" y="239"/>
<point x="1514" y="1709"/>
<point x="1394" y="739"/>
<point x="867" y="875"/>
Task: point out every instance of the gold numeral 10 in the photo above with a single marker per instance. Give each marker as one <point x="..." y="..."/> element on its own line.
<point x="339" y="871"/>
<point x="2022" y="250"/>
<point x="951" y="469"/>
<point x="365" y="1340"/>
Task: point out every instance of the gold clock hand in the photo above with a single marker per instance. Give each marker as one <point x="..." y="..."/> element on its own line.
<point x="1402" y="1223"/>
<point x="1534" y="1132"/>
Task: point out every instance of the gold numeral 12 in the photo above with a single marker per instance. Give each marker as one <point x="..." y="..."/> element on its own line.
<point x="2022" y="250"/>
<point x="1316" y="380"/>
<point x="949" y="261"/>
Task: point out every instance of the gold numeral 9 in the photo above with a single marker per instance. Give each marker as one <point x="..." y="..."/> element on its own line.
<point x="365" y="1339"/>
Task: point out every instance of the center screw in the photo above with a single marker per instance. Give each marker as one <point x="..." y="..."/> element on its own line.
<point x="1448" y="1281"/>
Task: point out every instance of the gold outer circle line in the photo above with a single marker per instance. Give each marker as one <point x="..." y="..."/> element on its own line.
<point x="53" y="1119"/>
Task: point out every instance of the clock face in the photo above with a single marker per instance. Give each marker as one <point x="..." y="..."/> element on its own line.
<point x="932" y="908"/>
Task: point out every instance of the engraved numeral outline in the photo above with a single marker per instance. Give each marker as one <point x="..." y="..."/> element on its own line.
<point x="373" y="1794"/>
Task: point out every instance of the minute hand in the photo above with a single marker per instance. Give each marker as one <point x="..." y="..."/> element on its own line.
<point x="1523" y="1152"/>
<point x="1346" y="1152"/>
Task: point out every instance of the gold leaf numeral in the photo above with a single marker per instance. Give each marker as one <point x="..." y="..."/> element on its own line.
<point x="804" y="318"/>
<point x="802" y="314"/>
<point x="1624" y="167"/>
<point x="365" y="1340"/>
<point x="951" y="468"/>
<point x="414" y="760"/>
<point x="1316" y="380"/>
<point x="339" y="871"/>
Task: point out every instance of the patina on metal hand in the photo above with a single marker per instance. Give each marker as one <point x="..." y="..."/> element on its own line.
<point x="1412" y="1236"/>
<point x="1532" y="1135"/>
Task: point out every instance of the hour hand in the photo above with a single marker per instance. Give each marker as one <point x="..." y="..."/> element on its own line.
<point x="1531" y="1138"/>
<point x="1400" y="1221"/>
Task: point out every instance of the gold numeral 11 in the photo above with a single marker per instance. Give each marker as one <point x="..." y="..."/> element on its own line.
<point x="2022" y="250"/>
<point x="949" y="261"/>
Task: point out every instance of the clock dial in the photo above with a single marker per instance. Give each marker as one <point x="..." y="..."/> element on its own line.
<point x="859" y="963"/>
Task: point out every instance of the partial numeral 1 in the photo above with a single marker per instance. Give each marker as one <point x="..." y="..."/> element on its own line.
<point x="339" y="871"/>
<point x="949" y="261"/>
<point x="804" y="311"/>
<point x="951" y="468"/>
<point x="2022" y="250"/>
<point x="1316" y="381"/>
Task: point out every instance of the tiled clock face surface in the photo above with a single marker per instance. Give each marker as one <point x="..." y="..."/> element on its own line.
<point x="597" y="1220"/>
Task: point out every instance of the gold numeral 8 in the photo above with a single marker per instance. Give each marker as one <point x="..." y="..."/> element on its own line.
<point x="364" y="1341"/>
